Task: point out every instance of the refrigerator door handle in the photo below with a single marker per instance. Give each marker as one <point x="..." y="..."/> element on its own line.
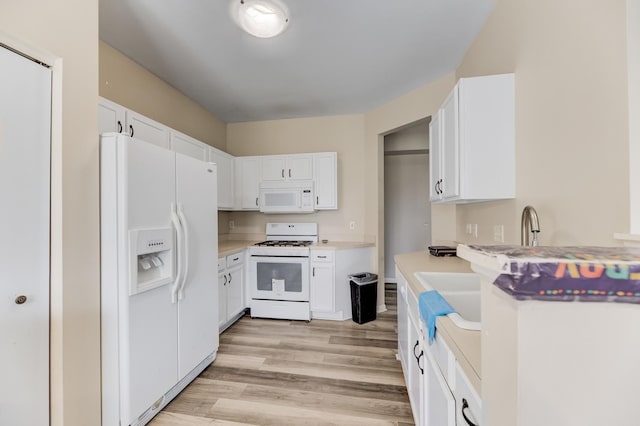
<point x="175" y="220"/>
<point x="185" y="246"/>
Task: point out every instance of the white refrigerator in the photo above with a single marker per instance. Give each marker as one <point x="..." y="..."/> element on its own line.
<point x="159" y="288"/>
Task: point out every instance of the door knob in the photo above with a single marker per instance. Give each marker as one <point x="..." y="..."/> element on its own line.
<point x="21" y="299"/>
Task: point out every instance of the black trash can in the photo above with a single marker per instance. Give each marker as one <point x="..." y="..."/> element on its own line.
<point x="364" y="296"/>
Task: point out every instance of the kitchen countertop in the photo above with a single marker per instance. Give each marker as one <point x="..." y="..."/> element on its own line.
<point x="465" y="344"/>
<point x="228" y="247"/>
<point x="340" y="245"/>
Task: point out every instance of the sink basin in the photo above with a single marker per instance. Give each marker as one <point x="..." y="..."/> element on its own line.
<point x="461" y="291"/>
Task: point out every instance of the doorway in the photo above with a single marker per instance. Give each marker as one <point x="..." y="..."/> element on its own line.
<point x="407" y="209"/>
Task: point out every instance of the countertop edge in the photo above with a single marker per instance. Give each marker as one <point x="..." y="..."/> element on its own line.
<point x="467" y="348"/>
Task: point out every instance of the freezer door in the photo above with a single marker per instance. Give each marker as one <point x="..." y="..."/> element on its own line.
<point x="145" y="342"/>
<point x="196" y="195"/>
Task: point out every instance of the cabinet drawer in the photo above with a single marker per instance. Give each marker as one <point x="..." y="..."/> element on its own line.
<point x="322" y="256"/>
<point x="235" y="259"/>
<point x="465" y="392"/>
<point x="222" y="263"/>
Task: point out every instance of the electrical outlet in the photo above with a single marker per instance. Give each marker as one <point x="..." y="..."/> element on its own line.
<point x="498" y="233"/>
<point x="474" y="230"/>
<point x="232" y="224"/>
<point x="352" y="225"/>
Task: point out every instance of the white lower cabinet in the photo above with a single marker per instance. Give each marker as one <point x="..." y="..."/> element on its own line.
<point x="230" y="289"/>
<point x="439" y="391"/>
<point x="415" y="364"/>
<point x="439" y="405"/>
<point x="330" y="291"/>
<point x="321" y="296"/>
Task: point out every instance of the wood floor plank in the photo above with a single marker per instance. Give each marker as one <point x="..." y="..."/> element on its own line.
<point x="275" y="415"/>
<point x="298" y="382"/>
<point x="378" y="343"/>
<point x="360" y="374"/>
<point x="330" y="404"/>
<point x="198" y="398"/>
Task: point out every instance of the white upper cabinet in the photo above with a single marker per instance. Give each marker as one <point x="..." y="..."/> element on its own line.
<point x="146" y="129"/>
<point x="111" y="116"/>
<point x="188" y="146"/>
<point x="116" y="118"/>
<point x="472" y="142"/>
<point x="287" y="167"/>
<point x="325" y="176"/>
<point x="225" y="177"/>
<point x="247" y="182"/>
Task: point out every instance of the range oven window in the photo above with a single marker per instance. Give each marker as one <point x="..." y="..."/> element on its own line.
<point x="288" y="275"/>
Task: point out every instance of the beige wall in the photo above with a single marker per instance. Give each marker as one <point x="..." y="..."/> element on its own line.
<point x="68" y="31"/>
<point x="342" y="134"/>
<point x="572" y="142"/>
<point x="405" y="110"/>
<point x="125" y="82"/>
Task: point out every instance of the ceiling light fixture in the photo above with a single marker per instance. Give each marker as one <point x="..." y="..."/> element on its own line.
<point x="260" y="18"/>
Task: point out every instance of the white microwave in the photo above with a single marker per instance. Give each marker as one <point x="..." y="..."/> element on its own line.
<point x="287" y="197"/>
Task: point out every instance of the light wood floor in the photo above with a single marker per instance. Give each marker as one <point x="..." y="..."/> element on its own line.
<point x="275" y="372"/>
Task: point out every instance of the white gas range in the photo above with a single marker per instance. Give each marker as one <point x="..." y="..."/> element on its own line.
<point x="279" y="271"/>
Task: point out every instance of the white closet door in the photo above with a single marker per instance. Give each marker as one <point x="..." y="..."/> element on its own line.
<point x="25" y="122"/>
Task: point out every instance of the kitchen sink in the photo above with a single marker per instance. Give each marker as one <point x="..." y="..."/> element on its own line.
<point x="461" y="291"/>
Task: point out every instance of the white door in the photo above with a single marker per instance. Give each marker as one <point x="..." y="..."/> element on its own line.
<point x="299" y="167"/>
<point x="234" y="291"/>
<point x="196" y="194"/>
<point x="149" y="351"/>
<point x="111" y="117"/>
<point x="450" y="173"/>
<point x="188" y="146"/>
<point x="273" y="168"/>
<point x="223" y="280"/>
<point x="325" y="177"/>
<point x="439" y="406"/>
<point x="321" y="287"/>
<point x="250" y="177"/>
<point x="225" y="178"/>
<point x="25" y="116"/>
<point x="435" y="157"/>
<point x="146" y="129"/>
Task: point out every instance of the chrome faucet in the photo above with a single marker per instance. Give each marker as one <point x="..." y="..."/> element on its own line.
<point x="529" y="225"/>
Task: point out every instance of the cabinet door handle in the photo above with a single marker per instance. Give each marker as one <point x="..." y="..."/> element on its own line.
<point x="317" y="199"/>
<point x="230" y="278"/>
<point x="322" y="257"/>
<point x="465" y="405"/>
<point x="289" y="172"/>
<point x="235" y="259"/>
<point x="256" y="201"/>
<point x="225" y="280"/>
<point x="418" y="361"/>
<point x="313" y="273"/>
<point x="414" y="349"/>
<point x="130" y="130"/>
<point x="282" y="173"/>
<point x="119" y="127"/>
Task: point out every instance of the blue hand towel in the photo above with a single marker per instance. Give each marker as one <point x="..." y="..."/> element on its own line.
<point x="432" y="305"/>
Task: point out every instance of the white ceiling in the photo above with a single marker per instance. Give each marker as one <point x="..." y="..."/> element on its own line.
<point x="336" y="57"/>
